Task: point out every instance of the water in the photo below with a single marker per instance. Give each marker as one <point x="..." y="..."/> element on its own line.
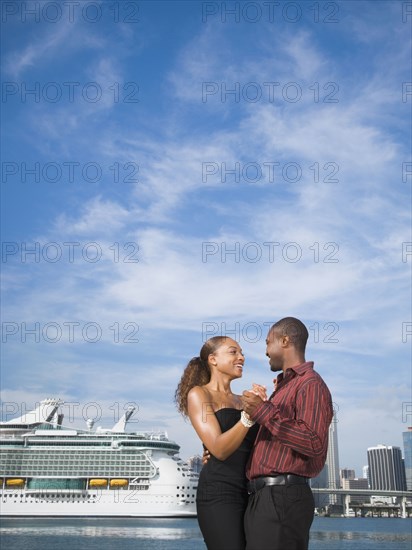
<point x="361" y="534"/>
<point x="184" y="534"/>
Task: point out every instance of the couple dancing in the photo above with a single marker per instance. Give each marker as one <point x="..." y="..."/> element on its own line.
<point x="253" y="492"/>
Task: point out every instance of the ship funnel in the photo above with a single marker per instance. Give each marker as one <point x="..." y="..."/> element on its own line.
<point x="90" y="424"/>
<point x="121" y="424"/>
<point x="44" y="412"/>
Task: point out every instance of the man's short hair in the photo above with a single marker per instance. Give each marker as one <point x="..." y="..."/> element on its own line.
<point x="295" y="329"/>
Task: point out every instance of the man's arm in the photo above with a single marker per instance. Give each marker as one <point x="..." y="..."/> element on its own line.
<point x="307" y="432"/>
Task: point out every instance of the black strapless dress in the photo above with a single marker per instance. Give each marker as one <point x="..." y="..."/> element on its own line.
<point x="221" y="495"/>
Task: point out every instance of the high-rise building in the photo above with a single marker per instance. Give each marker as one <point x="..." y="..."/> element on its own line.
<point x="365" y="473"/>
<point x="329" y="476"/>
<point x="195" y="463"/>
<point x="357" y="483"/>
<point x="321" y="482"/>
<point x="386" y="468"/>
<point x="346" y="473"/>
<point x="332" y="460"/>
<point x="407" y="450"/>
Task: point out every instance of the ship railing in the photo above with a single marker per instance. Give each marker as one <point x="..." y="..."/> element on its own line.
<point x="59" y="491"/>
<point x="157" y="436"/>
<point x="139" y="481"/>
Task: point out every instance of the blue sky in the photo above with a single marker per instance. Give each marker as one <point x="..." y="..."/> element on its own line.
<point x="186" y="172"/>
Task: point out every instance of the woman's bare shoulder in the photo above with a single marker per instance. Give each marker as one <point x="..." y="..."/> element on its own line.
<point x="198" y="393"/>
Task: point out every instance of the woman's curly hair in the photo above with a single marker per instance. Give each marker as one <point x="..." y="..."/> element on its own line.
<point x="196" y="373"/>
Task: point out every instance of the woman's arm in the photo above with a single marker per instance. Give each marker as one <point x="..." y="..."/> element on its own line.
<point x="203" y="419"/>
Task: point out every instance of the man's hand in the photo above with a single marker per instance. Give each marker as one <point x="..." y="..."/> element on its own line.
<point x="205" y="457"/>
<point x="250" y="402"/>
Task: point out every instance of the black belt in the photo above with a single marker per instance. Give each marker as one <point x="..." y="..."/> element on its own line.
<point x="278" y="479"/>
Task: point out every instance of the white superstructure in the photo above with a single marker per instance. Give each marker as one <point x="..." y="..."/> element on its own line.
<point x="47" y="469"/>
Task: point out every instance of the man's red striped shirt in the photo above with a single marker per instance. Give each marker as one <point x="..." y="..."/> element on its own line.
<point x="294" y="426"/>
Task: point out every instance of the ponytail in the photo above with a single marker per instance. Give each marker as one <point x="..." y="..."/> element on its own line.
<point x="196" y="373"/>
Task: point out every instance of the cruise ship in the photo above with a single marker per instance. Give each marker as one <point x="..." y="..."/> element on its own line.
<point x="47" y="469"/>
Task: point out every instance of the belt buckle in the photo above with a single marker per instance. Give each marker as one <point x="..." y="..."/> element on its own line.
<point x="283" y="479"/>
<point x="265" y="481"/>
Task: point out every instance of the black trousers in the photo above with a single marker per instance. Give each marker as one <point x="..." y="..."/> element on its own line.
<point x="221" y="523"/>
<point x="278" y="517"/>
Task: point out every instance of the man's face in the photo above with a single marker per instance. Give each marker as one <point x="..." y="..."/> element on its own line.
<point x="274" y="350"/>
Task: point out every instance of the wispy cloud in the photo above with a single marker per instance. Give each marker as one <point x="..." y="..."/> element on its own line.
<point x="330" y="251"/>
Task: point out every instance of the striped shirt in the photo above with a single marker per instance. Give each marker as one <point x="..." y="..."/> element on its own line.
<point x="294" y="426"/>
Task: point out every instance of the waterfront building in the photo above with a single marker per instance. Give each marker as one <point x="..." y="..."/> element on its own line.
<point x="386" y="468"/>
<point x="346" y="473"/>
<point x="365" y="473"/>
<point x="407" y="449"/>
<point x="357" y="483"/>
<point x="195" y="463"/>
<point x="329" y="476"/>
<point x="332" y="461"/>
<point x="320" y="482"/>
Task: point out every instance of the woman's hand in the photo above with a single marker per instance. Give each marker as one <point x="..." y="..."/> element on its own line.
<point x="260" y="391"/>
<point x="251" y="400"/>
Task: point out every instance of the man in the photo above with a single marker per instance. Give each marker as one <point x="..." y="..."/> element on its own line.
<point x="291" y="445"/>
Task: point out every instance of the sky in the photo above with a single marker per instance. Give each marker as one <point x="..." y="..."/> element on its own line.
<point x="176" y="170"/>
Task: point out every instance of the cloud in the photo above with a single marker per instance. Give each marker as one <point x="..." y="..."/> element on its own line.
<point x="99" y="218"/>
<point x="18" y="61"/>
<point x="174" y="210"/>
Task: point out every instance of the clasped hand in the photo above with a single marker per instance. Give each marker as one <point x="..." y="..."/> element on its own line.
<point x="253" y="398"/>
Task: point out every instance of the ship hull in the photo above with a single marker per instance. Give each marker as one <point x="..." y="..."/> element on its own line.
<point x="125" y="503"/>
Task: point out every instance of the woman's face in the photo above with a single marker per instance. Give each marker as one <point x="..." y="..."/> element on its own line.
<point x="228" y="359"/>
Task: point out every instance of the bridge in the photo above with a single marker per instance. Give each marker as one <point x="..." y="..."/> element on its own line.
<point x="347" y="493"/>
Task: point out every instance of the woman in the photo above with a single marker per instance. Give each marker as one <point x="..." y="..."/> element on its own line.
<point x="205" y="396"/>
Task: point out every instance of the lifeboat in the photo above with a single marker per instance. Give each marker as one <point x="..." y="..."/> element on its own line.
<point x="14" y="482"/>
<point x="119" y="483"/>
<point x="98" y="483"/>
